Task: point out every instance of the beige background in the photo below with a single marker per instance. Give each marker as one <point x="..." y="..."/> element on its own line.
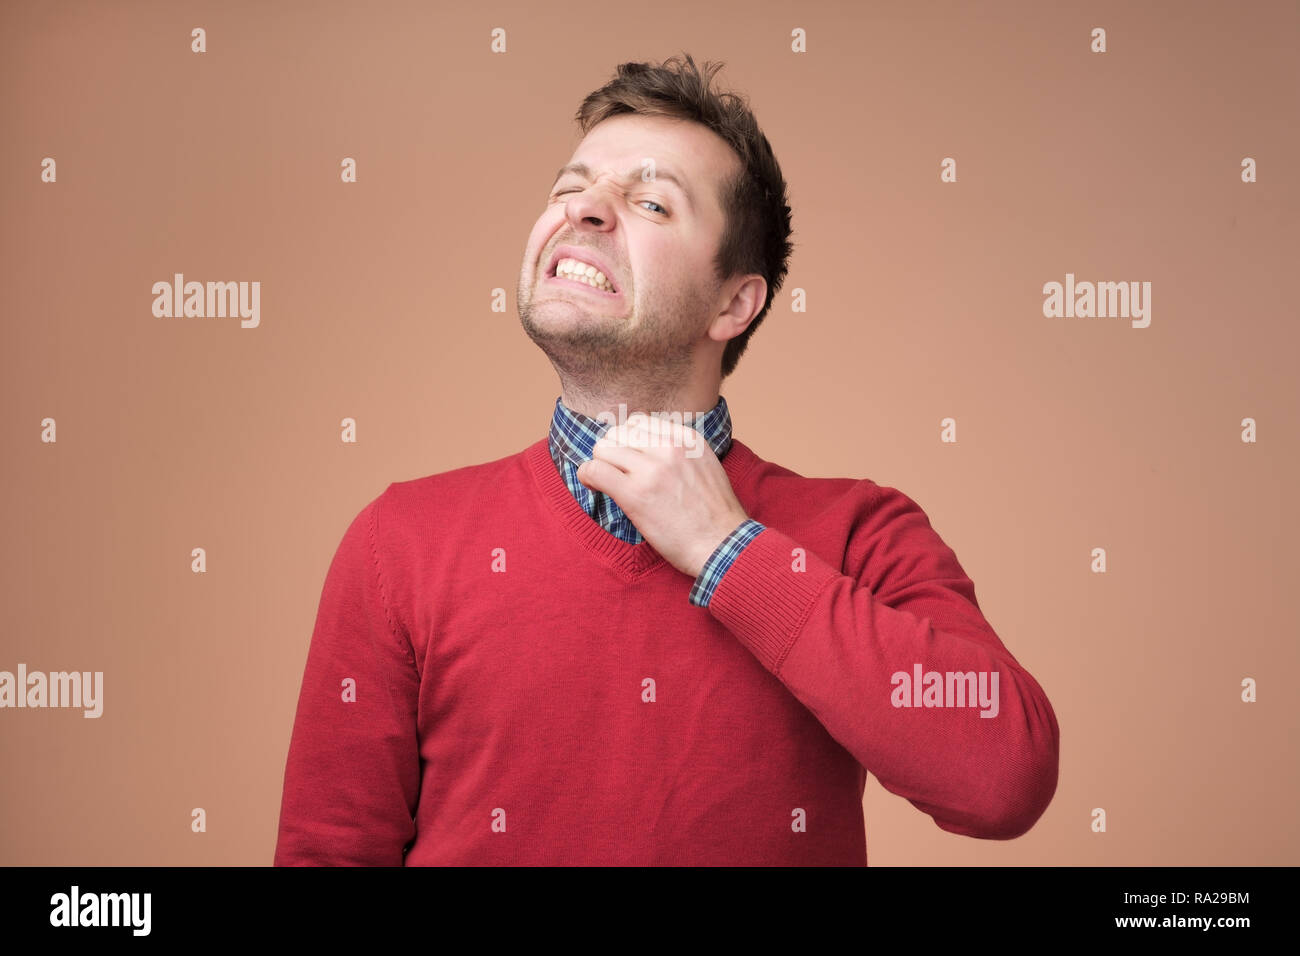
<point x="925" y="301"/>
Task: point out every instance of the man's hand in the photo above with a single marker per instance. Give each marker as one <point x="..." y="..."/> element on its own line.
<point x="670" y="484"/>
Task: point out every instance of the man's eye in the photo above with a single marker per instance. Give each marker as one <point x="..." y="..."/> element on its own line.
<point x="574" y="189"/>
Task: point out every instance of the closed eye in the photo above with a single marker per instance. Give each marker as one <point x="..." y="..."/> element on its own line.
<point x="662" y="210"/>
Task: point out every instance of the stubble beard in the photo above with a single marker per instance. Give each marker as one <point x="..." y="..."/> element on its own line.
<point x="642" y="354"/>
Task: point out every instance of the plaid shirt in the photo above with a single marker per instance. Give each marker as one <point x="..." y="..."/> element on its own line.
<point x="571" y="440"/>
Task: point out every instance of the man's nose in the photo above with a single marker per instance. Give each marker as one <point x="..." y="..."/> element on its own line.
<point x="591" y="208"/>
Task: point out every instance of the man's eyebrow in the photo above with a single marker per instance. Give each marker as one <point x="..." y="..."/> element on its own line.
<point x="582" y="169"/>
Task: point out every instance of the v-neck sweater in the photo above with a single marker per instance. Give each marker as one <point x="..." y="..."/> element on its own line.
<point x="495" y="679"/>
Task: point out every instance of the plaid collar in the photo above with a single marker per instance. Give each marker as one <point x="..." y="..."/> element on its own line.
<point x="573" y="434"/>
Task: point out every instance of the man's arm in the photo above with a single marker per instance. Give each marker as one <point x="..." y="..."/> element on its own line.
<point x="836" y="641"/>
<point x="352" y="777"/>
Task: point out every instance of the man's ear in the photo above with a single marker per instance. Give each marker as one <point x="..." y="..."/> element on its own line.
<point x="746" y="296"/>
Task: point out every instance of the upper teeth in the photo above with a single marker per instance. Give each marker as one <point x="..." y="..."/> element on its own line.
<point x="574" y="269"/>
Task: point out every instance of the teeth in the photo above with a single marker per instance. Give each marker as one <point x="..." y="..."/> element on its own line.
<point x="581" y="272"/>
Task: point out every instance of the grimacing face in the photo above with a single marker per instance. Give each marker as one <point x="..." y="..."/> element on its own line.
<point x="655" y="241"/>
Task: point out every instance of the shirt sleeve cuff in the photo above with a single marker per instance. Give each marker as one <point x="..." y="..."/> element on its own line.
<point x="721" y="559"/>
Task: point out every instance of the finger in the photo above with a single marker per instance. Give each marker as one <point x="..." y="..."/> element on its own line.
<point x="658" y="432"/>
<point x="601" y="476"/>
<point x="633" y="433"/>
<point x="618" y="448"/>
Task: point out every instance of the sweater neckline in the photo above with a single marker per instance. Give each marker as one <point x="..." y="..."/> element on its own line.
<point x="629" y="560"/>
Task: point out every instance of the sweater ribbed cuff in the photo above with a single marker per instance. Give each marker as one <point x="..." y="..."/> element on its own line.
<point x="766" y="595"/>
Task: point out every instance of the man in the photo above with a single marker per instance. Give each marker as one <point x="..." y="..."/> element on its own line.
<point x="636" y="641"/>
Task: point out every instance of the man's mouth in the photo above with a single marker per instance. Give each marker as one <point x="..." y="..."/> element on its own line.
<point x="572" y="269"/>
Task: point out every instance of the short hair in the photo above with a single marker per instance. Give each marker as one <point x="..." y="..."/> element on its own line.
<point x="756" y="230"/>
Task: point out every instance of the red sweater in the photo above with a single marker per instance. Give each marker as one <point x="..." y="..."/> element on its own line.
<point x="495" y="679"/>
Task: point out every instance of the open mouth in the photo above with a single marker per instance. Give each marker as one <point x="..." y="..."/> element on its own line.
<point x="573" y="271"/>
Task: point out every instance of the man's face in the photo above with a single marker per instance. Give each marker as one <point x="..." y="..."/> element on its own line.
<point x="653" y="238"/>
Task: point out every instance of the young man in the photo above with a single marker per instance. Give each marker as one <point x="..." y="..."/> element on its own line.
<point x="636" y="641"/>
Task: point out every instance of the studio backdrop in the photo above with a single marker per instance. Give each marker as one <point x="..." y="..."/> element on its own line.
<point x="1042" y="283"/>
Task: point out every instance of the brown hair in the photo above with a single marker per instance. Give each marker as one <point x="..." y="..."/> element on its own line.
<point x="756" y="236"/>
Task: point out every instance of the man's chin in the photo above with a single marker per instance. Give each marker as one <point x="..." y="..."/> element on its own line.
<point x="563" y="317"/>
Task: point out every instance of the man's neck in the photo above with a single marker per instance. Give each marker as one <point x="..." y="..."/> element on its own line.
<point x="593" y="403"/>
